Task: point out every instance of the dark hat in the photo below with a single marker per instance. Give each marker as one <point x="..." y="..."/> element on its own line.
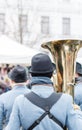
<point x="78" y="68"/>
<point x="18" y="74"/>
<point x="41" y="63"/>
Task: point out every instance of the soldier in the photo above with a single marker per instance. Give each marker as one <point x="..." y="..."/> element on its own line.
<point x="78" y="85"/>
<point x="18" y="77"/>
<point x="43" y="108"/>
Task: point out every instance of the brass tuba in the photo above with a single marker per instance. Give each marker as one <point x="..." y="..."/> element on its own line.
<point x="64" y="53"/>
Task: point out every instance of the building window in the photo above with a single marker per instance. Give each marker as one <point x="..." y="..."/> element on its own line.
<point x="2" y="23"/>
<point x="23" y="23"/>
<point x="66" y="26"/>
<point x="45" y="24"/>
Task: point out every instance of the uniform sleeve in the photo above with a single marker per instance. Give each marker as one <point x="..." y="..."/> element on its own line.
<point x="1" y="114"/>
<point x="14" y="120"/>
<point x="76" y="99"/>
<point x="77" y="96"/>
<point x="74" y="119"/>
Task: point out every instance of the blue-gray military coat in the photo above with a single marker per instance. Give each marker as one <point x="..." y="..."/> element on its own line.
<point x="78" y="94"/>
<point x="24" y="113"/>
<point x="6" y="103"/>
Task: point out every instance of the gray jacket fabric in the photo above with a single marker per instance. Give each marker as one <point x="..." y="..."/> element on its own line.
<point x="6" y="103"/>
<point x="24" y="113"/>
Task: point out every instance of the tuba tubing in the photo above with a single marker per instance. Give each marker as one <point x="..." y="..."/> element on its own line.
<point x="64" y="53"/>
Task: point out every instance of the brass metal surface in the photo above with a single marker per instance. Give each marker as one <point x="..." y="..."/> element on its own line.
<point x="64" y="53"/>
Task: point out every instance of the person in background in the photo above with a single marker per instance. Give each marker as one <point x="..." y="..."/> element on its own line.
<point x="29" y="78"/>
<point x="4" y="80"/>
<point x="38" y="110"/>
<point x="18" y="78"/>
<point x="78" y="85"/>
<point x="4" y="87"/>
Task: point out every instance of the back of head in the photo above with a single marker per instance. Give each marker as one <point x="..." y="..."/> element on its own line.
<point x="18" y="74"/>
<point x="79" y="69"/>
<point x="41" y="65"/>
<point x="78" y="74"/>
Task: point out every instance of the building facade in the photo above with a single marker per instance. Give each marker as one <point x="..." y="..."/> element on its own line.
<point x="32" y="22"/>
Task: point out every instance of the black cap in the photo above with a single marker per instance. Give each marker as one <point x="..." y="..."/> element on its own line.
<point x="18" y="74"/>
<point x="41" y="63"/>
<point x="78" y="68"/>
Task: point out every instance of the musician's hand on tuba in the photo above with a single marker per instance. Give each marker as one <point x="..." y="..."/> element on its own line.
<point x="76" y="107"/>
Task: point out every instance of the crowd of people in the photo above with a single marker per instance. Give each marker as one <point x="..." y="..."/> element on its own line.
<point x="4" y="80"/>
<point x="34" y="104"/>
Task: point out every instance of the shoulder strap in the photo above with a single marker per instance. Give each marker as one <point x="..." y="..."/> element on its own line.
<point x="45" y="104"/>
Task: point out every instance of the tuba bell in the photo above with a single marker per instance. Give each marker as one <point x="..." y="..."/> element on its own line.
<point x="64" y="53"/>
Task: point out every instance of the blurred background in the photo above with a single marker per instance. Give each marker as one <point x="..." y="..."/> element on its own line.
<point x="31" y="22"/>
<point x="26" y="24"/>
